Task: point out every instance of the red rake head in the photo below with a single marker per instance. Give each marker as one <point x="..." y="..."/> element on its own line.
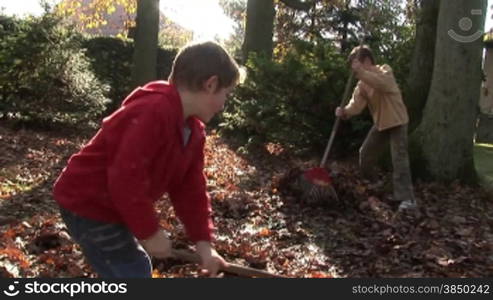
<point x="318" y="176"/>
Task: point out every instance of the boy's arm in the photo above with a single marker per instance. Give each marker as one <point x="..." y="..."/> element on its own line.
<point x="357" y="103"/>
<point x="382" y="80"/>
<point x="192" y="203"/>
<point x="211" y="261"/>
<point x="131" y="142"/>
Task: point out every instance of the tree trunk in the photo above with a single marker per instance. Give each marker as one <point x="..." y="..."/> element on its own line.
<point x="421" y="70"/>
<point x="146" y="42"/>
<point x="444" y="138"/>
<point x="259" y="28"/>
<point x="345" y="28"/>
<point x="484" y="133"/>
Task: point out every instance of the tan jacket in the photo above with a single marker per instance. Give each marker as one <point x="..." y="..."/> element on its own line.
<point x="378" y="89"/>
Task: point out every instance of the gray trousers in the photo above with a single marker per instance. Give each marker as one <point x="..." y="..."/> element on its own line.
<point x="375" y="143"/>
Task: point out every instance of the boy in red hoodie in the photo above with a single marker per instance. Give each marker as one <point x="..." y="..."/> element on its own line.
<point x="153" y="144"/>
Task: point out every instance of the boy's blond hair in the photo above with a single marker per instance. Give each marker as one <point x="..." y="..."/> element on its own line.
<point x="196" y="63"/>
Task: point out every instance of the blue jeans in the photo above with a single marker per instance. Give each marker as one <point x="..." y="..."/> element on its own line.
<point x="111" y="249"/>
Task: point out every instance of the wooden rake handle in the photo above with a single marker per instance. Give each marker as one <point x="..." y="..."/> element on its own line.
<point x="345" y="96"/>
<point x="239" y="270"/>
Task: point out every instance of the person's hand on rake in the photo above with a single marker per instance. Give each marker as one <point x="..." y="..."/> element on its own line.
<point x="341" y="113"/>
<point x="212" y="262"/>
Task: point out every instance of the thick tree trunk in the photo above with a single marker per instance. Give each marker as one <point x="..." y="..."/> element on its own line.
<point x="146" y="42"/>
<point x="444" y="138"/>
<point x="259" y="28"/>
<point x="421" y="70"/>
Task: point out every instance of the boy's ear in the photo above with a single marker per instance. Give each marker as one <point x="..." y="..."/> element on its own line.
<point x="210" y="85"/>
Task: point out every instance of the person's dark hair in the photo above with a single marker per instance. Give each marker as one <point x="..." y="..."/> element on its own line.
<point x="196" y="63"/>
<point x="360" y="53"/>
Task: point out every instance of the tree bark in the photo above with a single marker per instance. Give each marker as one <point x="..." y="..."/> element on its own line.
<point x="146" y="42"/>
<point x="345" y="29"/>
<point x="421" y="70"/>
<point x="484" y="133"/>
<point x="259" y="28"/>
<point x="444" y="139"/>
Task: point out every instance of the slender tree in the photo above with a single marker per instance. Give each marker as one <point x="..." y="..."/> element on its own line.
<point x="260" y="24"/>
<point x="259" y="27"/>
<point x="146" y="42"/>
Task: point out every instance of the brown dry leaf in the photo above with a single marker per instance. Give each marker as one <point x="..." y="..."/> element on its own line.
<point x="362" y="237"/>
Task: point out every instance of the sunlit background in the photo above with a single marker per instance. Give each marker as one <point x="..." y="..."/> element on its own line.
<point x="204" y="17"/>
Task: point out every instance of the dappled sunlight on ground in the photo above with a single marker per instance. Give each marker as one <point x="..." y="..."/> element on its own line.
<point x="258" y="222"/>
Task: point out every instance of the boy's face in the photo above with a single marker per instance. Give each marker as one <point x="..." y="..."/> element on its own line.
<point x="211" y="100"/>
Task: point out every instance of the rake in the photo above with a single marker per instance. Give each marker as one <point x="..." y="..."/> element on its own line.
<point x="316" y="183"/>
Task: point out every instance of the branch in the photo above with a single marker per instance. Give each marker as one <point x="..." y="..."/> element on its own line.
<point x="297" y="4"/>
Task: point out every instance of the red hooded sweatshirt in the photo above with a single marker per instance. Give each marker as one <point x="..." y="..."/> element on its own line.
<point x="136" y="157"/>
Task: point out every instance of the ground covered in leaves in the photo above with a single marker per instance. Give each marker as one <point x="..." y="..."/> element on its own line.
<point x="259" y="222"/>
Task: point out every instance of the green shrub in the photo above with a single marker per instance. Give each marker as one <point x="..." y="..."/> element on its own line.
<point x="291" y="101"/>
<point x="45" y="77"/>
<point x="111" y="60"/>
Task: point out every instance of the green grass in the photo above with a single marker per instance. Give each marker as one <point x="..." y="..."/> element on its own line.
<point x="483" y="157"/>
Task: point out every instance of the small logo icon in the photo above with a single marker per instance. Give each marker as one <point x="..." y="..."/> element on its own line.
<point x="11" y="291"/>
<point x="465" y="24"/>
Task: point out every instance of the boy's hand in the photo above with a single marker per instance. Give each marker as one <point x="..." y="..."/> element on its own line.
<point x="211" y="260"/>
<point x="158" y="245"/>
<point x="341" y="113"/>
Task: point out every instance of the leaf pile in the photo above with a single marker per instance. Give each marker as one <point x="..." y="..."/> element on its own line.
<point x="258" y="223"/>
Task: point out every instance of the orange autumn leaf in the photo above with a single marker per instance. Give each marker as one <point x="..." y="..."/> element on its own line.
<point x="16" y="254"/>
<point x="264" y="232"/>
<point x="320" y="275"/>
<point x="157" y="274"/>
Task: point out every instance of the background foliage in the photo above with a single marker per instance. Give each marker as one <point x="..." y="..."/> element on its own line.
<point x="45" y="76"/>
<point x="288" y="100"/>
<point x="51" y="74"/>
<point x="111" y="62"/>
